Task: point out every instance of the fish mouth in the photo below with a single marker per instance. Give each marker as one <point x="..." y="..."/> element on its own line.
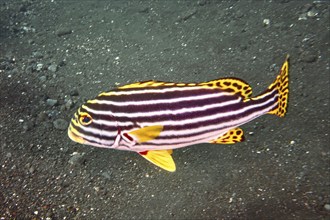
<point x="75" y="137"/>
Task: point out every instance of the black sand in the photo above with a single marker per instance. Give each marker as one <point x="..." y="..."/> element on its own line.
<point x="55" y="54"/>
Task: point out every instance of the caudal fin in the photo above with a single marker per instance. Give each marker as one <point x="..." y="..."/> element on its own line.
<point x="281" y="84"/>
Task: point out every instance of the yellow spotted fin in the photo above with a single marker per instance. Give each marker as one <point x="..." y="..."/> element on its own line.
<point x="231" y="137"/>
<point x="152" y="83"/>
<point x="231" y="85"/>
<point x="161" y="158"/>
<point x="281" y="85"/>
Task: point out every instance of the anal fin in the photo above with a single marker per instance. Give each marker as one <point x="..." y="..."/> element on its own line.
<point x="161" y="158"/>
<point x="231" y="137"/>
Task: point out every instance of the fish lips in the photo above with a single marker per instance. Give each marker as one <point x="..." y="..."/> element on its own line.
<point x="75" y="137"/>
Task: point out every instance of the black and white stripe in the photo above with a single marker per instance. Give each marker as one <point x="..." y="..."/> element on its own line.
<point x="190" y="115"/>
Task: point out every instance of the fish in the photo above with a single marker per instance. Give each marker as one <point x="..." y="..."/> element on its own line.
<point x="154" y="117"/>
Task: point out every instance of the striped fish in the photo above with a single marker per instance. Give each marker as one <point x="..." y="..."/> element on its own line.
<point x="152" y="117"/>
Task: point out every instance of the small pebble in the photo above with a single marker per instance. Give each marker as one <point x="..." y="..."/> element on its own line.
<point x="239" y="14"/>
<point x="42" y="78"/>
<point x="62" y="32"/>
<point x="273" y="67"/>
<point x="69" y="104"/>
<point x="23" y="8"/>
<point x="74" y="92"/>
<point x="62" y="63"/>
<point x="52" y="68"/>
<point x="308" y="57"/>
<point x="302" y="17"/>
<point x="30" y="68"/>
<point x="187" y="14"/>
<point x="28" y="126"/>
<point x="60" y="124"/>
<point x="37" y="55"/>
<point x="39" y="66"/>
<point x="42" y="116"/>
<point x="53" y="113"/>
<point x="77" y="158"/>
<point x="106" y="174"/>
<point x="266" y="22"/>
<point x="13" y="71"/>
<point x="144" y="10"/>
<point x="202" y="2"/>
<point x="327" y="207"/>
<point x="51" y="102"/>
<point x="312" y="13"/>
<point x="31" y="169"/>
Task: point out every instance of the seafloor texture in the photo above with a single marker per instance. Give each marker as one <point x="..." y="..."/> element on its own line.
<point x="55" y="54"/>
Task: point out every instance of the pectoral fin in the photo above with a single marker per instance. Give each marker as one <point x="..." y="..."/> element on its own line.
<point x="231" y="137"/>
<point x="161" y="158"/>
<point x="146" y="133"/>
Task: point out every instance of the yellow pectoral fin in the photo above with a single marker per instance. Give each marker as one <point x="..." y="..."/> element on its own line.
<point x="161" y="158"/>
<point x="147" y="133"/>
<point x="231" y="137"/>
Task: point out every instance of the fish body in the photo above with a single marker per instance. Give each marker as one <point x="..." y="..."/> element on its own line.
<point x="152" y="117"/>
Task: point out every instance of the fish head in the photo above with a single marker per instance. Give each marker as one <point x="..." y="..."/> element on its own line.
<point x="89" y="127"/>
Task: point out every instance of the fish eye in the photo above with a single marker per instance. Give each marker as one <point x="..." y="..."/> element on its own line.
<point x="85" y="119"/>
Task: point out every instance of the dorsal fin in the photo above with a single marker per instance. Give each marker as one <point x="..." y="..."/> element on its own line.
<point x="231" y="85"/>
<point x="152" y="83"/>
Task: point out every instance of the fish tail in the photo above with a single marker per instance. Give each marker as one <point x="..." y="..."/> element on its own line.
<point x="280" y="89"/>
<point x="281" y="85"/>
